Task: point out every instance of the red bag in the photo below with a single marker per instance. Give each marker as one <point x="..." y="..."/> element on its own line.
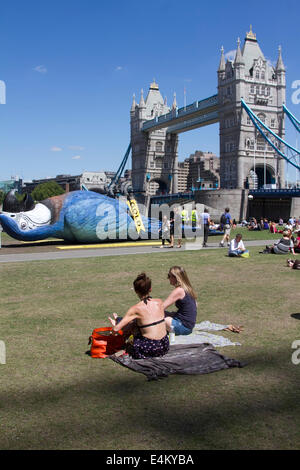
<point x="104" y="344"/>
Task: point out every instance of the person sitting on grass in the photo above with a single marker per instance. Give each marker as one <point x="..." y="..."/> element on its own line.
<point x="266" y="224"/>
<point x="237" y="247"/>
<point x="253" y="224"/>
<point x="273" y="228"/>
<point x="184" y="298"/>
<point x="183" y="321"/>
<point x="297" y="243"/>
<point x="283" y="246"/>
<point x="145" y="321"/>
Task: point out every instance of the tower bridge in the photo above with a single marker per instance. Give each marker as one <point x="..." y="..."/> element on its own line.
<point x="246" y="159"/>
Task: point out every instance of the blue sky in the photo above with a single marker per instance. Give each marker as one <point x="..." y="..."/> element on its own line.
<point x="71" y="68"/>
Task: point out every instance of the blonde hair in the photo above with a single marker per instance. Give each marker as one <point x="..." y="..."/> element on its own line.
<point x="182" y="280"/>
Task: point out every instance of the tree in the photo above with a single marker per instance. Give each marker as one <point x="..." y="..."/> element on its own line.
<point x="45" y="190"/>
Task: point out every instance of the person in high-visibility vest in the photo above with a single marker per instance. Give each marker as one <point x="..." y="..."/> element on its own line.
<point x="184" y="216"/>
<point x="184" y="219"/>
<point x="195" y="218"/>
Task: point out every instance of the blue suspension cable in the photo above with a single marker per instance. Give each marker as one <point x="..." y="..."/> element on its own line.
<point x="255" y="121"/>
<point x="121" y="167"/>
<point x="292" y="118"/>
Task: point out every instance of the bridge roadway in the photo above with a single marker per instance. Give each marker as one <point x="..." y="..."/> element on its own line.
<point x="15" y="253"/>
<point x="198" y="114"/>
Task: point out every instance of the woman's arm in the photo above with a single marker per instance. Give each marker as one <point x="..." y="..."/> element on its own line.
<point x="176" y="294"/>
<point x="130" y="316"/>
<point x="292" y="247"/>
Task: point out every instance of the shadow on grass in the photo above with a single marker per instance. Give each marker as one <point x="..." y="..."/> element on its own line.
<point x="119" y="409"/>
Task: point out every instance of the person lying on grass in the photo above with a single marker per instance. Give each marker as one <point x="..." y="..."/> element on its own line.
<point x="184" y="298"/>
<point x="293" y="263"/>
<point x="145" y="321"/>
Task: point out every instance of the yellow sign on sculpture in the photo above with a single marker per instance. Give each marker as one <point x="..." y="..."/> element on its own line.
<point x="134" y="210"/>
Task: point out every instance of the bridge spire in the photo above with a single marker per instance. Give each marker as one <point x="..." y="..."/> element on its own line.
<point x="142" y="101"/>
<point x="238" y="56"/>
<point x="133" y="103"/>
<point x="174" y="105"/>
<point x="222" y="61"/>
<point x="280" y="66"/>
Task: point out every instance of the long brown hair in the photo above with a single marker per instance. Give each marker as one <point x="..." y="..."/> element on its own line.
<point x="182" y="280"/>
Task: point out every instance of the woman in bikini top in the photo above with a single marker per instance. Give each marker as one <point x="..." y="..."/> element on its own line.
<point x="147" y="315"/>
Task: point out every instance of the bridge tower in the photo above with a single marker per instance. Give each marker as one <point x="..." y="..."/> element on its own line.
<point x="246" y="161"/>
<point x="154" y="154"/>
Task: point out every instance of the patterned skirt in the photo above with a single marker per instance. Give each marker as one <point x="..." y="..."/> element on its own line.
<point x="144" y="347"/>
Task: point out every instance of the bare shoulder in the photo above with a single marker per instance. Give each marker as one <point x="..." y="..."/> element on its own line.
<point x="134" y="310"/>
<point x="179" y="292"/>
<point x="157" y="300"/>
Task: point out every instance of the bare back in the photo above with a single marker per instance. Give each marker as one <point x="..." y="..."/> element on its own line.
<point x="149" y="313"/>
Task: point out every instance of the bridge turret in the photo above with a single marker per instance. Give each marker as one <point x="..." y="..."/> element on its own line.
<point x="154" y="154"/>
<point x="243" y="153"/>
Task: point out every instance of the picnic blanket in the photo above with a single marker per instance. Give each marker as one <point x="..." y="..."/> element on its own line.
<point x="200" y="335"/>
<point x="181" y="359"/>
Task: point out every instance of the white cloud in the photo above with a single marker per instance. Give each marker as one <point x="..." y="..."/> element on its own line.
<point x="56" y="149"/>
<point x="230" y="55"/>
<point x="40" y="69"/>
<point x="76" y="157"/>
<point x="75" y="147"/>
<point x="118" y="68"/>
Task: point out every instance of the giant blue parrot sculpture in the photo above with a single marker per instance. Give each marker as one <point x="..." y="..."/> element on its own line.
<point x="77" y="216"/>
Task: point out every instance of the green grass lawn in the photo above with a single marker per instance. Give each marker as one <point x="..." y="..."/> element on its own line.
<point x="53" y="396"/>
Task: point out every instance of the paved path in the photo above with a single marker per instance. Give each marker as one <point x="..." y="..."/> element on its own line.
<point x="116" y="251"/>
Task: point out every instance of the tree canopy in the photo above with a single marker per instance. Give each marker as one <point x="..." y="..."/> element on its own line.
<point x="45" y="190"/>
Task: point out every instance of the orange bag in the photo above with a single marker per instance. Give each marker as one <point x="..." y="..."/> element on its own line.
<point x="104" y="344"/>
